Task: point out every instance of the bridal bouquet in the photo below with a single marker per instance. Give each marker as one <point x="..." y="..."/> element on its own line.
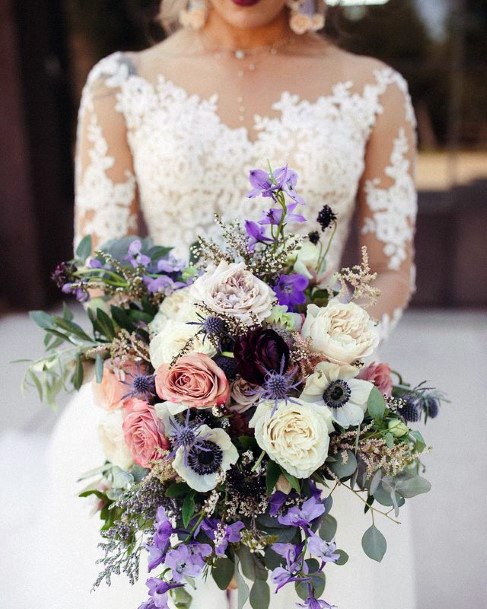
<point x="236" y="401"/>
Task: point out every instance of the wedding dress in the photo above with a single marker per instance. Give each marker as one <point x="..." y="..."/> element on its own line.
<point x="164" y="147"/>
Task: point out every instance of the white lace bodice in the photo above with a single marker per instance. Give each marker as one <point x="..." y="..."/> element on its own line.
<point x="151" y="147"/>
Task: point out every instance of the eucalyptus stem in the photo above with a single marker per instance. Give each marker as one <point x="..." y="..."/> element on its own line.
<point x="259" y="461"/>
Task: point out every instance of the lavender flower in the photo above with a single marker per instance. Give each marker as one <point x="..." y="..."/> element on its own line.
<point x="314" y="603"/>
<point x="186" y="561"/>
<point x="286" y="179"/>
<point x="231" y="535"/>
<point x="160" y="542"/>
<point x="277" y="500"/>
<point x="274" y="215"/>
<point x="303" y="516"/>
<point x="295" y="570"/>
<point x="135" y="256"/>
<point x="324" y="551"/>
<point x="162" y="284"/>
<point x="262" y="184"/>
<point x="289" y="290"/>
<point x="158" y="592"/>
<point x="256" y="234"/>
<point x="79" y="291"/>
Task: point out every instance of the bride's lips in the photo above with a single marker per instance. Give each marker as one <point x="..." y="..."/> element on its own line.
<point x="245" y="2"/>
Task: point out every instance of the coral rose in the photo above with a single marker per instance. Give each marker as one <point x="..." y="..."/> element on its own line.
<point x="380" y="375"/>
<point x="109" y="393"/>
<point x="143" y="432"/>
<point x="195" y="380"/>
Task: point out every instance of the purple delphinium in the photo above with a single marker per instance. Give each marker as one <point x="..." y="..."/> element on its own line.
<point x="290" y="289"/>
<point x="314" y="603"/>
<point x="135" y="256"/>
<point x="185" y="561"/>
<point x="162" y="284"/>
<point x="231" y="535"/>
<point x="79" y="291"/>
<point x="295" y="569"/>
<point x="321" y="549"/>
<point x="273" y="216"/>
<point x="256" y="234"/>
<point x="277" y="500"/>
<point x="170" y="265"/>
<point x="303" y="516"/>
<point x="158" y="592"/>
<point x="161" y="539"/>
<point x="265" y="184"/>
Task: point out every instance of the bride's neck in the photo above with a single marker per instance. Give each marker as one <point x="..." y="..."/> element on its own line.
<point x="219" y="34"/>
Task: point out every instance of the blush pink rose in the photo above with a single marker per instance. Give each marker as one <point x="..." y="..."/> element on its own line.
<point x="143" y="432"/>
<point x="379" y="375"/>
<point x="109" y="393"/>
<point x="195" y="380"/>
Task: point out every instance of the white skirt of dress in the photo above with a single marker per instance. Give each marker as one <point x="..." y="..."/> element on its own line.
<point x="68" y="536"/>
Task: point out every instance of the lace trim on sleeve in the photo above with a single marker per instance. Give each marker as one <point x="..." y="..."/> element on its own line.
<point x="103" y="205"/>
<point x="393" y="210"/>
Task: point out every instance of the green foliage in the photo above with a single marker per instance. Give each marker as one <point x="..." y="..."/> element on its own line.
<point x="341" y="469"/>
<point x="222" y="572"/>
<point x="260" y="595"/>
<point x="374" y="543"/>
<point x="273" y="472"/>
<point x="243" y="589"/>
<point x="188" y="508"/>
<point x="376" y="404"/>
<point x="328" y="527"/>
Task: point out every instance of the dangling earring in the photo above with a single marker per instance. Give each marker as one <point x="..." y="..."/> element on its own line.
<point x="305" y="17"/>
<point x="194" y="15"/>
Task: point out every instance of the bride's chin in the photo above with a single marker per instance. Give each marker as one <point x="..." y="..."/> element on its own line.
<point x="248" y="14"/>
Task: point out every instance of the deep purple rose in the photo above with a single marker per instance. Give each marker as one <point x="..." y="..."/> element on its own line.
<point x="258" y="352"/>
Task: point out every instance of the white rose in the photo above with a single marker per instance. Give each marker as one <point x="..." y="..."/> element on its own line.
<point x="172" y="337"/>
<point x="281" y="317"/>
<point x="112" y="439"/>
<point x="296" y="436"/>
<point x="231" y="289"/>
<point x="341" y="332"/>
<point x="307" y="259"/>
<point x="178" y="307"/>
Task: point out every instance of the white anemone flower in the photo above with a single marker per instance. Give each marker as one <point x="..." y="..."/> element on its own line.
<point x="201" y="464"/>
<point x="336" y="387"/>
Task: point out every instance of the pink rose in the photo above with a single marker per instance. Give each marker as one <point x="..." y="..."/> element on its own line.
<point x="379" y="375"/>
<point x="143" y="432"/>
<point x="195" y="380"/>
<point x="109" y="393"/>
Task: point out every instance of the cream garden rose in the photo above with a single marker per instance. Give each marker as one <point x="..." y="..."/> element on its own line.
<point x="112" y="440"/>
<point x="172" y="337"/>
<point x="231" y="289"/>
<point x="307" y="260"/>
<point x="178" y="306"/>
<point x="296" y="436"/>
<point x="342" y="332"/>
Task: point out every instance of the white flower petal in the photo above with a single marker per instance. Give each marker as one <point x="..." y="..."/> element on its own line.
<point x="360" y="391"/>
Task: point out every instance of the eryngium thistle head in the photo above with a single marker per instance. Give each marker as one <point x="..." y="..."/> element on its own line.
<point x="431" y="406"/>
<point x="228" y="365"/>
<point x="326" y="217"/>
<point x="411" y="411"/>
<point x="214" y="326"/>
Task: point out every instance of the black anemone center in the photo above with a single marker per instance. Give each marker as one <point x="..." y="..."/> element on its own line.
<point x="205" y="458"/>
<point x="337" y="394"/>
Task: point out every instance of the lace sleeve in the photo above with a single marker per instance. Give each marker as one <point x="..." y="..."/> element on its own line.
<point x="387" y="201"/>
<point x="106" y="194"/>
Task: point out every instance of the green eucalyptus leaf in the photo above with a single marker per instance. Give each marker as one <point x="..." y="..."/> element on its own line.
<point x="411" y="487"/>
<point x="181" y="598"/>
<point x="376" y="404"/>
<point x="343" y="558"/>
<point x="84" y="248"/>
<point x="247" y="563"/>
<point x="384" y="497"/>
<point x="260" y="595"/>
<point x="374" y="543"/>
<point x="341" y="469"/>
<point x="313" y="565"/>
<point x="222" y="572"/>
<point x="319" y="583"/>
<point x="243" y="589"/>
<point x="328" y="527"/>
<point x="301" y="590"/>
<point x="389" y="438"/>
<point x="99" y="368"/>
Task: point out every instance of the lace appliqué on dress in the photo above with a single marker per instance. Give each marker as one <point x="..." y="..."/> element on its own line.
<point x="104" y="206"/>
<point x="393" y="209"/>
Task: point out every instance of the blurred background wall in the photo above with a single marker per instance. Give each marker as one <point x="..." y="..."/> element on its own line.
<point x="48" y="47"/>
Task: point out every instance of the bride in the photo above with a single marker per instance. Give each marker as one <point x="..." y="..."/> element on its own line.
<point x="167" y="136"/>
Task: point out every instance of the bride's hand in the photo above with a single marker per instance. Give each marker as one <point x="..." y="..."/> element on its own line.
<point x="233" y="584"/>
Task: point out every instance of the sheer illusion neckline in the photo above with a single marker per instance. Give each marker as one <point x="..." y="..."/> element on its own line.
<point x="340" y="90"/>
